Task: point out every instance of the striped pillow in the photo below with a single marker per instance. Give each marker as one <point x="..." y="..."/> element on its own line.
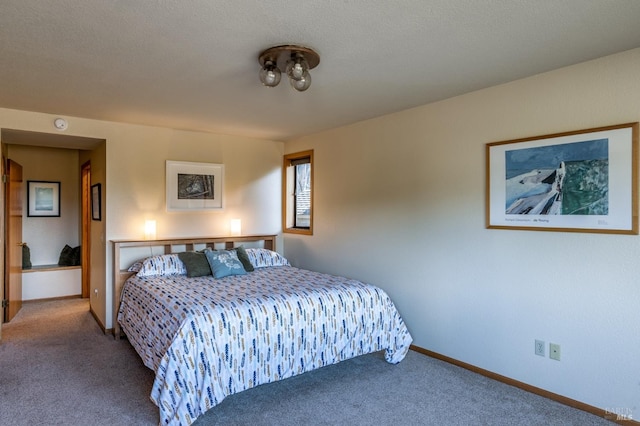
<point x="162" y="264"/>
<point x="260" y="258"/>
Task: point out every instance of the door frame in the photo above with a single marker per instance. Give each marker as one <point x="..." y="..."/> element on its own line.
<point x="12" y="200"/>
<point x="85" y="202"/>
<point x="3" y="156"/>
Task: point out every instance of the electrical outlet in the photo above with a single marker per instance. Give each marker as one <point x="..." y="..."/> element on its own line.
<point x="539" y="348"/>
<point x="554" y="351"/>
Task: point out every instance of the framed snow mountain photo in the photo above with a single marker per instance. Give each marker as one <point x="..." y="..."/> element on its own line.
<point x="580" y="181"/>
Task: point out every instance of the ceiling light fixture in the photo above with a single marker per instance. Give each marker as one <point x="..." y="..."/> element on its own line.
<point x="294" y="60"/>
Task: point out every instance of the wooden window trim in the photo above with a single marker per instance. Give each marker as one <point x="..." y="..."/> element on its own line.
<point x="286" y="162"/>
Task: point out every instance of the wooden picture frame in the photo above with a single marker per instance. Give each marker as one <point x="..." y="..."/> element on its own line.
<point x="96" y="201"/>
<point x="43" y="198"/>
<point x="579" y="181"/>
<point x="194" y="186"/>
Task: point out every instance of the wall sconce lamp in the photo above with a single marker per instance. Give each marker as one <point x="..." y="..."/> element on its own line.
<point x="236" y="227"/>
<point x="150" y="230"/>
<point x="294" y="60"/>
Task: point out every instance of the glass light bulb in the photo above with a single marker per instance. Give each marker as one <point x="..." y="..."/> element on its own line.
<point x="270" y="74"/>
<point x="297" y="71"/>
<point x="270" y="78"/>
<point x="297" y="67"/>
<point x="303" y="83"/>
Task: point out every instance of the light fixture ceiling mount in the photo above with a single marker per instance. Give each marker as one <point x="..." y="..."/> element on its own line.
<point x="294" y="60"/>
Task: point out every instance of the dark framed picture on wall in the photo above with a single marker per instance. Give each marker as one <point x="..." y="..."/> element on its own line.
<point x="43" y="199"/>
<point x="96" y="201"/>
<point x="194" y="186"/>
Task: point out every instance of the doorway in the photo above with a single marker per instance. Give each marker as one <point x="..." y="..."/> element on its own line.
<point x="80" y="233"/>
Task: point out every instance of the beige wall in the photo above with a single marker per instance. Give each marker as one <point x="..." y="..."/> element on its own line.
<point x="400" y="202"/>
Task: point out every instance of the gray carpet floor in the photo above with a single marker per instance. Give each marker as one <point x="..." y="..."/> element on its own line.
<point x="58" y="368"/>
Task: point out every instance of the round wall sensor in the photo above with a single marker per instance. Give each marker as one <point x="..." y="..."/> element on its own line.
<point x="60" y="123"/>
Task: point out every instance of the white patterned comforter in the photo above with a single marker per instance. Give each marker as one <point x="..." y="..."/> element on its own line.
<point x="209" y="338"/>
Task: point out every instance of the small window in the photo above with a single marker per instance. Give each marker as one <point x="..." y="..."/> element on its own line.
<point x="297" y="193"/>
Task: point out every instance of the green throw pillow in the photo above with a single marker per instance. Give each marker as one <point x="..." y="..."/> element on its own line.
<point x="244" y="258"/>
<point x="76" y="255"/>
<point x="70" y="256"/>
<point x="195" y="263"/>
<point x="26" y="257"/>
<point x="66" y="256"/>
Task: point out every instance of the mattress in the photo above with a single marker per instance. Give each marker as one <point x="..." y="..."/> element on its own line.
<point x="209" y="338"/>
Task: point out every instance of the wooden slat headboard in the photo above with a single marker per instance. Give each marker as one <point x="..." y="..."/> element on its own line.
<point x="167" y="246"/>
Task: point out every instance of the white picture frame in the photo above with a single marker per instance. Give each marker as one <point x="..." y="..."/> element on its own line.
<point x="194" y="186"/>
<point x="43" y="199"/>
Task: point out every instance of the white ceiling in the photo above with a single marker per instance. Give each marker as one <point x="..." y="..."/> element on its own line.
<point x="193" y="64"/>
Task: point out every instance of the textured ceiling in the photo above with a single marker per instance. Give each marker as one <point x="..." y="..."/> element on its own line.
<point x="193" y="64"/>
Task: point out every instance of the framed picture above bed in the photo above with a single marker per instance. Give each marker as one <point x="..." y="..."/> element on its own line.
<point x="580" y="181"/>
<point x="194" y="186"/>
<point x="43" y="199"/>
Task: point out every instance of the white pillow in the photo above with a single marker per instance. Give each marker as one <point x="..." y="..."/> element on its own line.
<point x="162" y="264"/>
<point x="137" y="265"/>
<point x="260" y="258"/>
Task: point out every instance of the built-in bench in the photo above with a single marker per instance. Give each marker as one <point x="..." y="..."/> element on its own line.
<point x="51" y="281"/>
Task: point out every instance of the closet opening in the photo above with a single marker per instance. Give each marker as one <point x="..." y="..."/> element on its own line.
<point x="58" y="237"/>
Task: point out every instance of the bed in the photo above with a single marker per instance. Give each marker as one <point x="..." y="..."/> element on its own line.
<point x="207" y="338"/>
